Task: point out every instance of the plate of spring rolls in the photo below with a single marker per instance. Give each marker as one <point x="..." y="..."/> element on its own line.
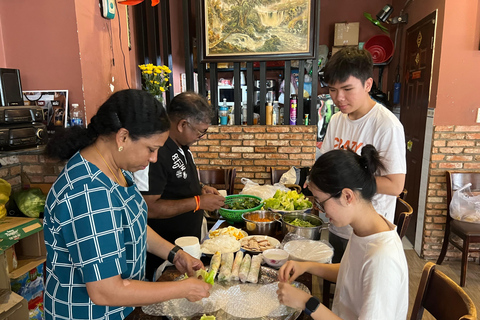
<point x="257" y="244"/>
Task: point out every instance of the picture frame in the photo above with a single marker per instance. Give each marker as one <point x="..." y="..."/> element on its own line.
<point x="54" y="104"/>
<point x="271" y="30"/>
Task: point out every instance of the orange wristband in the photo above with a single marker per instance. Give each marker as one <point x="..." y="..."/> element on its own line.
<point x="197" y="201"/>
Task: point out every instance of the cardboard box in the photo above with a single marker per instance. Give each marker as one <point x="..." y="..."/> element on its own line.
<point x="12" y="306"/>
<point x="346" y="34"/>
<point x="31" y="287"/>
<point x="13" y="229"/>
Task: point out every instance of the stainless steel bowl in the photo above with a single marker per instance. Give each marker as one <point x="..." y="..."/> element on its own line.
<point x="254" y="226"/>
<point x="312" y="233"/>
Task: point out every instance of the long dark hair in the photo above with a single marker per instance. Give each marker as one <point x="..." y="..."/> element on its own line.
<point x="135" y="110"/>
<point x="339" y="169"/>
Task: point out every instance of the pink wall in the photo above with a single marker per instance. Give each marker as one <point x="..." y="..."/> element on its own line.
<point x="3" y="62"/>
<point x="103" y="68"/>
<point x="39" y="38"/>
<point x="458" y="98"/>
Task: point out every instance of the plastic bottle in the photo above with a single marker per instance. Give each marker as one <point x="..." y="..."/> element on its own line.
<point x="223" y="113"/>
<point x="281" y="115"/>
<point x="268" y="114"/>
<point x="76" y="115"/>
<point x="293" y="110"/>
<point x="244" y="113"/>
<point x="231" y="116"/>
<point x="275" y="114"/>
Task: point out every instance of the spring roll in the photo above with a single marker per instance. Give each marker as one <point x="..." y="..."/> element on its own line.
<point x="254" y="269"/>
<point x="244" y="268"/>
<point x="236" y="265"/>
<point x="214" y="265"/>
<point x="226" y="267"/>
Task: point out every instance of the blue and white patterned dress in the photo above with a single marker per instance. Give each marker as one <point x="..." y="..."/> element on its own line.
<point x="94" y="229"/>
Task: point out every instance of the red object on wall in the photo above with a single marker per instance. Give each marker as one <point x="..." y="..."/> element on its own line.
<point x="381" y="47"/>
<point x="135" y="2"/>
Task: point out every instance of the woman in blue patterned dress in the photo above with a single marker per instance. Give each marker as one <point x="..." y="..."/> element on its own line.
<point x="95" y="222"/>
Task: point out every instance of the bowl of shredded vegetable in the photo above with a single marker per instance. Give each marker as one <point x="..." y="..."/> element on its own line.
<point x="304" y="224"/>
<point x="238" y="204"/>
<point x="262" y="222"/>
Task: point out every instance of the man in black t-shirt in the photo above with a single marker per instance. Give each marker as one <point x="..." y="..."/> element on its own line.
<point x="171" y="186"/>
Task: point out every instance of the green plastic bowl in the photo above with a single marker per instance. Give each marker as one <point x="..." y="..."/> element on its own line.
<point x="236" y="215"/>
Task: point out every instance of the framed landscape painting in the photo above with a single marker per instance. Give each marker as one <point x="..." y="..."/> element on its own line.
<point x="258" y="30"/>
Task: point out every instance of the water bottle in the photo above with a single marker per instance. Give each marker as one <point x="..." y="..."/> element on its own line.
<point x="244" y="113"/>
<point x="275" y="114"/>
<point x="76" y="115"/>
<point x="224" y="113"/>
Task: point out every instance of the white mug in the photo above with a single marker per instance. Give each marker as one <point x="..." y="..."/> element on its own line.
<point x="190" y="245"/>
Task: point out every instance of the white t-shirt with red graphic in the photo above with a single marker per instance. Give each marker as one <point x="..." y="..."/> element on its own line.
<point x="380" y="128"/>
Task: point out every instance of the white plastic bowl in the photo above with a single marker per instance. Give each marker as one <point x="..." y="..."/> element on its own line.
<point x="275" y="257"/>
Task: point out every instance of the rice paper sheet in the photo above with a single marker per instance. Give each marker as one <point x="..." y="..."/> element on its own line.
<point x="232" y="300"/>
<point x="236" y="265"/>
<point x="245" y="268"/>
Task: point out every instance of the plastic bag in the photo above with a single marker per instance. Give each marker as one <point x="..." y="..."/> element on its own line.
<point x="5" y="190"/>
<point x="465" y="206"/>
<point x="31" y="202"/>
<point x="266" y="191"/>
<point x="290" y="177"/>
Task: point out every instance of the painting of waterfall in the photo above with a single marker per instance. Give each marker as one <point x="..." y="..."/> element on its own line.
<point x="242" y="30"/>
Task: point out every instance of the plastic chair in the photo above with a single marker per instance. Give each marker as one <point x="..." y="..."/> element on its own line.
<point x="442" y="297"/>
<point x="403" y="215"/>
<point x="223" y="178"/>
<point x="468" y="232"/>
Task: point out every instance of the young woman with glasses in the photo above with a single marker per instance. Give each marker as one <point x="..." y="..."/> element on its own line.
<point x="372" y="277"/>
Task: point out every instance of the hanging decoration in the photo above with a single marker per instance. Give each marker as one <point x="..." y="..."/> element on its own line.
<point x="135" y="2"/>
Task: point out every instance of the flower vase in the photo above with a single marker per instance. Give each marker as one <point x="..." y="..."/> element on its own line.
<point x="159" y="97"/>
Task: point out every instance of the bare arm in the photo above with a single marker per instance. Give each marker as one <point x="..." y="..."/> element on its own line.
<point x="391" y="184"/>
<point x="159" y="208"/>
<point x="115" y="291"/>
<point x="293" y="269"/>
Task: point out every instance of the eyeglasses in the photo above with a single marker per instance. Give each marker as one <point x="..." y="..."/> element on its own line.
<point x="320" y="205"/>
<point x="200" y="133"/>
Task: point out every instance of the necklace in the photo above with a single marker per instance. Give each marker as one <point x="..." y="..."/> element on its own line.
<point x="116" y="178"/>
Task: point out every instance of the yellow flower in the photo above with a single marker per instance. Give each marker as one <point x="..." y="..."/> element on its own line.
<point x="162" y="89"/>
<point x="155" y="78"/>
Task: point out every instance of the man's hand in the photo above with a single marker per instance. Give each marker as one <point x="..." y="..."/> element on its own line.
<point x="211" y="202"/>
<point x="209" y="190"/>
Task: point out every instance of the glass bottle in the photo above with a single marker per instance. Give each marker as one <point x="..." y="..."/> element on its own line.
<point x="275" y="114"/>
<point x="268" y="114"/>
<point x="244" y="113"/>
<point x="76" y="115"/>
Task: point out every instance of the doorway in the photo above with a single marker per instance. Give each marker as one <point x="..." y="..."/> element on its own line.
<point x="414" y="114"/>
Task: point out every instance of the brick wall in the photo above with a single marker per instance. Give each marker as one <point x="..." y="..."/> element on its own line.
<point x="37" y="168"/>
<point x="252" y="150"/>
<point x="454" y="148"/>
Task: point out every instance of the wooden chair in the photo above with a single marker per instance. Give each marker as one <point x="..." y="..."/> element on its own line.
<point x="403" y="215"/>
<point x="468" y="232"/>
<point x="221" y="178"/>
<point x="442" y="297"/>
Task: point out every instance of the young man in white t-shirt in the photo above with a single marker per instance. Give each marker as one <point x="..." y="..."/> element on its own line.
<point x="363" y="121"/>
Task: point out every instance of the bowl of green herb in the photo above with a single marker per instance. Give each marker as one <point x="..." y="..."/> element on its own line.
<point x="238" y="204"/>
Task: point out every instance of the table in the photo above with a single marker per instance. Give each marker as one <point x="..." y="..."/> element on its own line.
<point x="171" y="273"/>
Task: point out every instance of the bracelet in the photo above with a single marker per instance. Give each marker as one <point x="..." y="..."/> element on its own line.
<point x="173" y="253"/>
<point x="197" y="201"/>
<point x="202" y="185"/>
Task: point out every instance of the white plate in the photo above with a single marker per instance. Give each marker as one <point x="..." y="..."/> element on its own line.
<point x="309" y="250"/>
<point x="215" y="233"/>
<point x="274" y="242"/>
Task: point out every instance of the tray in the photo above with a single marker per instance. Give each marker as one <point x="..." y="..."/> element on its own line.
<point x="267" y="279"/>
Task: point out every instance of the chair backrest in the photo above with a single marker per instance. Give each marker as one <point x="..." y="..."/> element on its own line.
<point x="276" y="174"/>
<point x="456" y="180"/>
<point x="220" y="178"/>
<point x="403" y="215"/>
<point x="442" y="297"/>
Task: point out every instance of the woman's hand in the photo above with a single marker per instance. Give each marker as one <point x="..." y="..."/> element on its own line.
<point x="291" y="271"/>
<point x="291" y="296"/>
<point x="185" y="263"/>
<point x="195" y="289"/>
<point x="211" y="202"/>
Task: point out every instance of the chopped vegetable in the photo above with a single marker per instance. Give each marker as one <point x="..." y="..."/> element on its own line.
<point x="242" y="203"/>
<point x="301" y="223"/>
<point x="288" y="201"/>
